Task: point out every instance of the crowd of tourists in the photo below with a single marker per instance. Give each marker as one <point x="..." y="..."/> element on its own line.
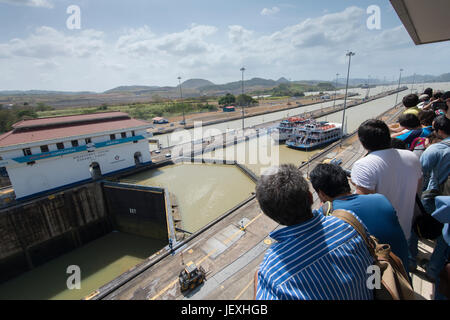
<point x="401" y="195"/>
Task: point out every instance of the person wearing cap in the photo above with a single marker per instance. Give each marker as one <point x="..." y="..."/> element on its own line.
<point x="424" y="100"/>
<point x="442" y="214"/>
<point x="410" y="103"/>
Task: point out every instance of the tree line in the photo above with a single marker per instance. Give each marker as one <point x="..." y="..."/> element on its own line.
<point x="240" y="100"/>
<point x="16" y="113"/>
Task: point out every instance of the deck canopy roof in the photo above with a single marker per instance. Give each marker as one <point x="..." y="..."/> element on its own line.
<point x="426" y="21"/>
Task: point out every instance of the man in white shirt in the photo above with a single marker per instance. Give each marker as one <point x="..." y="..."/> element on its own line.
<point x="394" y="173"/>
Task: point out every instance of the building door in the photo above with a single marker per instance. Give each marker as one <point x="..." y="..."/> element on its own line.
<point x="95" y="170"/>
<point x="138" y="158"/>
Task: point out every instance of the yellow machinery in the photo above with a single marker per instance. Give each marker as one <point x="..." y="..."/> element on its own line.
<point x="191" y="276"/>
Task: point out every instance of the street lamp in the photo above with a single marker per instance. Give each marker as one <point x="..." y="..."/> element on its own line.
<point x="349" y="55"/>
<point x="335" y="90"/>
<point x="368" y="87"/>
<point x="181" y="97"/>
<point x="414" y="82"/>
<point x="243" y="104"/>
<point x="398" y="88"/>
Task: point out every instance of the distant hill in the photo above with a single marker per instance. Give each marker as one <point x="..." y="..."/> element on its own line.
<point x="427" y="78"/>
<point x="283" y="80"/>
<point x="131" y="89"/>
<point x="191" y="88"/>
<point x="236" y="86"/>
<point x="41" y="92"/>
<point x="196" y="83"/>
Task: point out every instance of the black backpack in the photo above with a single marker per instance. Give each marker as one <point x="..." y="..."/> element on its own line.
<point x="424" y="225"/>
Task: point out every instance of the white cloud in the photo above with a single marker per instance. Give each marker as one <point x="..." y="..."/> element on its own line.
<point x="47" y="42"/>
<point x="269" y="12"/>
<point x="30" y="3"/>
<point x="239" y="35"/>
<point x="142" y="42"/>
<point x="313" y="48"/>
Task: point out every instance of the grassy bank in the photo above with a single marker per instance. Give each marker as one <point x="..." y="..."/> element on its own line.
<point x="145" y="111"/>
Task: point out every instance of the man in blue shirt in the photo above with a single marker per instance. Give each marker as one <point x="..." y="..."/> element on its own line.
<point x="412" y="123"/>
<point x="442" y="214"/>
<point x="435" y="161"/>
<point x="315" y="257"/>
<point x="436" y="158"/>
<point x="375" y="210"/>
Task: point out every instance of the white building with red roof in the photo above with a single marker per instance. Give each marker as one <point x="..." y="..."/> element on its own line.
<point x="50" y="153"/>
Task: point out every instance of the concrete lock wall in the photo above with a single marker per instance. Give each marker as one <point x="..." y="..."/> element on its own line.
<point x="36" y="232"/>
<point x="137" y="209"/>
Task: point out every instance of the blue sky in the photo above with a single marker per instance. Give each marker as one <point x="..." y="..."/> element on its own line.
<point x="152" y="42"/>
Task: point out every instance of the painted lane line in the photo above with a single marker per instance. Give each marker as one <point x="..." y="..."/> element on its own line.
<point x="170" y="285"/>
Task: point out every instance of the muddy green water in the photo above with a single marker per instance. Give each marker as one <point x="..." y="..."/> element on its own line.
<point x="259" y="154"/>
<point x="100" y="261"/>
<point x="203" y="191"/>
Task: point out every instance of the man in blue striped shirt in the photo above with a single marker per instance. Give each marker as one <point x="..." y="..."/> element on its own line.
<point x="315" y="257"/>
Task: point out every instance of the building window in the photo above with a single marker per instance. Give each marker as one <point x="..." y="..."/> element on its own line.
<point x="88" y="140"/>
<point x="132" y="133"/>
<point x="123" y="134"/>
<point x="60" y="146"/>
<point x="27" y="152"/>
<point x="112" y="136"/>
<point x="44" y="149"/>
<point x="74" y="143"/>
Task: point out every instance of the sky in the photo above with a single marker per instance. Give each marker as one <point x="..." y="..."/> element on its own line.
<point x="45" y="45"/>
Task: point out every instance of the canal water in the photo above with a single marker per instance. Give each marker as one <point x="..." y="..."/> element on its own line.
<point x="169" y="140"/>
<point x="100" y="261"/>
<point x="249" y="152"/>
<point x="203" y="191"/>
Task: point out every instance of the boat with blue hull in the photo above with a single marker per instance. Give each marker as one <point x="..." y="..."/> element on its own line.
<point x="314" y="134"/>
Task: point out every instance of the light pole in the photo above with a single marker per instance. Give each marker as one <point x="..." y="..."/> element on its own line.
<point x="181" y="97"/>
<point x="414" y="82"/>
<point x="243" y="103"/>
<point x="335" y="90"/>
<point x="368" y="87"/>
<point x="398" y="88"/>
<point x="349" y="55"/>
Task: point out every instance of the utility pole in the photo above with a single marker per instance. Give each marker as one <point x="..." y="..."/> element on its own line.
<point x="349" y="55"/>
<point x="398" y="88"/>
<point x="414" y="82"/>
<point x="243" y="103"/>
<point x="335" y="90"/>
<point x="181" y="97"/>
